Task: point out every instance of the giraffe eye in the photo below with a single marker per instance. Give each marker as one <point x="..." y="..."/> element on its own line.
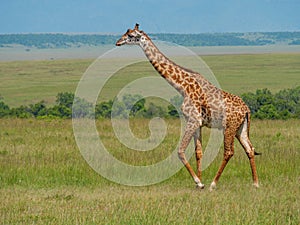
<point x="130" y="35"/>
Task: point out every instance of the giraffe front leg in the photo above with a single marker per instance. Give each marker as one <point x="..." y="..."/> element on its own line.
<point x="198" y="152"/>
<point x="189" y="132"/>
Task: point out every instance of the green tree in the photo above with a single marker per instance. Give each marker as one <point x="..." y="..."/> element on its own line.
<point x="65" y="99"/>
<point x="21" y="112"/>
<point x="174" y="108"/>
<point x="4" y="109"/>
<point x="264" y="97"/>
<point x="154" y="111"/>
<point x="103" y="109"/>
<point x="134" y="103"/>
<point x="60" y="111"/>
<point x="38" y="109"/>
<point x="82" y="108"/>
<point x="172" y="111"/>
<point x="138" y="107"/>
<point x="119" y="110"/>
<point x="288" y="100"/>
<point x="267" y="112"/>
<point x="63" y="109"/>
<point x="251" y="100"/>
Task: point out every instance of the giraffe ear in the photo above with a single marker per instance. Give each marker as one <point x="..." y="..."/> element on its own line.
<point x="136" y="26"/>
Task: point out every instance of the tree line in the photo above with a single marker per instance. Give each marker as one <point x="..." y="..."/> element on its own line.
<point x="60" y="40"/>
<point x="284" y="104"/>
<point x="263" y="105"/>
<point x="68" y="106"/>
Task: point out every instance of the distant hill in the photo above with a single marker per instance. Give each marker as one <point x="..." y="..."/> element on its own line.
<point x="60" y="40"/>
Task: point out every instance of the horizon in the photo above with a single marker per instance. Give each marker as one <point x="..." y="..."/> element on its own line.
<point x="150" y="33"/>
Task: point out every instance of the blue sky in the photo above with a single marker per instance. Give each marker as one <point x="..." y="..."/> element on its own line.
<point x="172" y="16"/>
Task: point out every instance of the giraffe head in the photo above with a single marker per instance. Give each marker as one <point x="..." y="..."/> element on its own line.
<point x="132" y="37"/>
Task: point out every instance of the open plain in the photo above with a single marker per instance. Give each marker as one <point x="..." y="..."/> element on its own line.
<point x="45" y="180"/>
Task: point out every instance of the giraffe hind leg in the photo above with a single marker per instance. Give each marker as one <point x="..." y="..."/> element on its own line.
<point x="228" y="153"/>
<point x="243" y="137"/>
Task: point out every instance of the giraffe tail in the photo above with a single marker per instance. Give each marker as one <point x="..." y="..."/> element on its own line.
<point x="257" y="153"/>
<point x="248" y="127"/>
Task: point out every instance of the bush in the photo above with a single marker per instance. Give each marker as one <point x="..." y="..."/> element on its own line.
<point x="38" y="109"/>
<point x="174" y="108"/>
<point x="283" y="105"/>
<point x="267" y="112"/>
<point x="154" y="111"/>
<point x="263" y="105"/>
<point x="21" y="112"/>
<point x="4" y="109"/>
<point x="103" y="110"/>
<point x="82" y="109"/>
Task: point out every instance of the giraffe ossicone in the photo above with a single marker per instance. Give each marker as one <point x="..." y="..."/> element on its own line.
<point x="204" y="105"/>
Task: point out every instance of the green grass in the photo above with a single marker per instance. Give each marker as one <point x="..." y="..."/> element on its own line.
<point x="25" y="82"/>
<point x="45" y="180"/>
<point x="243" y="73"/>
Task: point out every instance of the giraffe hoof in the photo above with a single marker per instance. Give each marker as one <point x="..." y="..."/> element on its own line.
<point x="200" y="186"/>
<point x="212" y="186"/>
<point x="256" y="185"/>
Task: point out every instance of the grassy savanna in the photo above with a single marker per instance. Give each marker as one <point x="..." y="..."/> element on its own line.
<point x="25" y="82"/>
<point x="45" y="180"/>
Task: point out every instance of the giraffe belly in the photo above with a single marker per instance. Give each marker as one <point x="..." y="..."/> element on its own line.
<point x="212" y="119"/>
<point x="213" y="123"/>
<point x="206" y="118"/>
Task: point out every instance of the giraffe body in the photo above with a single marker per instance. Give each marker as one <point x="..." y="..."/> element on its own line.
<point x="203" y="105"/>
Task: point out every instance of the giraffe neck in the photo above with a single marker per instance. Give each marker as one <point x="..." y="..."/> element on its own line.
<point x="174" y="74"/>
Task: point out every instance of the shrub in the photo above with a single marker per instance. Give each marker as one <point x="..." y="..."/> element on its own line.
<point x="263" y="105"/>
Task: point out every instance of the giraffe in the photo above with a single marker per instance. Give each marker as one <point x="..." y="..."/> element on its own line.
<point x="203" y="105"/>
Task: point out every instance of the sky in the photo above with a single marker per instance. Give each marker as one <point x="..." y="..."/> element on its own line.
<point x="154" y="16"/>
